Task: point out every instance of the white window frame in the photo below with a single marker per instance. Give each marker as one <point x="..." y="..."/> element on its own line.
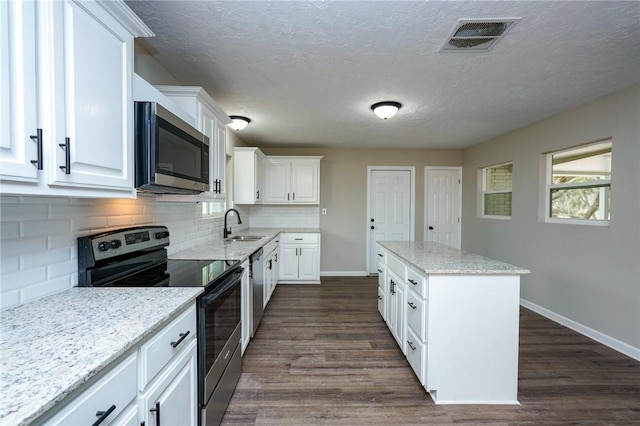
<point x="208" y="209"/>
<point x="549" y="186"/>
<point x="482" y="185"/>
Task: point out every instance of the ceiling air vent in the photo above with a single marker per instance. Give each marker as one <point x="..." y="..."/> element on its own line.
<point x="477" y="35"/>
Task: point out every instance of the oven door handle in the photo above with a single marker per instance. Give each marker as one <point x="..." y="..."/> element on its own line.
<point x="223" y="287"/>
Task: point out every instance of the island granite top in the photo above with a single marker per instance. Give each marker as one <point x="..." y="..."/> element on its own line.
<point x="51" y="346"/>
<point x="435" y="258"/>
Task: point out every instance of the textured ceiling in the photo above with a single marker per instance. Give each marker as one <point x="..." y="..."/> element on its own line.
<point x="306" y="73"/>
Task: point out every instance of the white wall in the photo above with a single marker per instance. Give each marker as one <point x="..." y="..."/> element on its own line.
<point x="38" y="246"/>
<point x="585" y="276"/>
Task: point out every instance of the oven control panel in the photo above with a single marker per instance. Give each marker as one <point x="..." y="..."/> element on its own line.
<point x="116" y="243"/>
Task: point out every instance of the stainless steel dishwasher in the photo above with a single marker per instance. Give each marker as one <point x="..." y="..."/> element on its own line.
<point x="257" y="282"/>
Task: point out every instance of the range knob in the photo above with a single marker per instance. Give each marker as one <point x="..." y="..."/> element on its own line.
<point x="163" y="234"/>
<point x="103" y="246"/>
<point x="115" y="244"/>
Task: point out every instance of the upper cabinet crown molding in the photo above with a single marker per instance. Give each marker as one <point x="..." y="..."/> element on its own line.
<point x="127" y="18"/>
<point x="199" y="93"/>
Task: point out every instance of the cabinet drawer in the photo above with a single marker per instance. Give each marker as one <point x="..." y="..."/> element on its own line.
<point x="382" y="277"/>
<point x="300" y="238"/>
<point x="382" y="255"/>
<point x="417" y="314"/>
<point x="158" y="351"/>
<point x="397" y="266"/>
<point x="117" y="388"/>
<point x="417" y="282"/>
<point x="416" y="355"/>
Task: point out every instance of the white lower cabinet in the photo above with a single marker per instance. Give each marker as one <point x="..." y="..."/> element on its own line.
<point x="172" y="399"/>
<point x="106" y="399"/>
<point x="156" y="384"/>
<point x="459" y="332"/>
<point x="299" y="258"/>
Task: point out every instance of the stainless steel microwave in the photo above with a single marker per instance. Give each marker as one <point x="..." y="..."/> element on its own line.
<point x="171" y="157"/>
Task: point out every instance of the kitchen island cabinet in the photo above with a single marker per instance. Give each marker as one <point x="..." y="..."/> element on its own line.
<point x="84" y="343"/>
<point x="455" y="316"/>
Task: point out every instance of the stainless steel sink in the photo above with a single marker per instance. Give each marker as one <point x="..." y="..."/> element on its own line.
<point x="247" y="238"/>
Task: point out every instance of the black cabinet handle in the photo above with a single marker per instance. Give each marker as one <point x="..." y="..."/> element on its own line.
<point x="379" y="271"/>
<point x="412" y="282"/>
<point x="67" y="155"/>
<point x="393" y="284"/>
<point x="276" y="256"/>
<point x="288" y="196"/>
<point x="157" y="411"/>
<point x="257" y="195"/>
<point x="412" y="305"/>
<point x="298" y="239"/>
<point x="103" y="415"/>
<point x="380" y="254"/>
<point x="37" y="138"/>
<point x="413" y="348"/>
<point x="379" y="297"/>
<point x="270" y="264"/>
<point x="294" y="196"/>
<point x="182" y="337"/>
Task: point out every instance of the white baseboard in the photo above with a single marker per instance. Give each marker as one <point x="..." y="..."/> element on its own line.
<point x="599" y="337"/>
<point x="343" y="273"/>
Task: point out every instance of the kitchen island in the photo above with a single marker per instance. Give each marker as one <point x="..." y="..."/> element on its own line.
<point x="455" y="315"/>
<point x="53" y="348"/>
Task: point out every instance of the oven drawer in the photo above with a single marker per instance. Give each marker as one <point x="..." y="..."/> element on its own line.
<point x="158" y="351"/>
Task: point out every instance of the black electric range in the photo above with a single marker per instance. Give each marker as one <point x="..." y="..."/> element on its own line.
<point x="137" y="257"/>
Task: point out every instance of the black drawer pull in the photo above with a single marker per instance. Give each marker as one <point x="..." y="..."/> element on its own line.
<point x="182" y="337"/>
<point x="103" y="415"/>
<point x="413" y="348"/>
<point x="412" y="305"/>
<point x="412" y="282"/>
<point x="379" y="271"/>
<point x="379" y="297"/>
<point x="380" y="254"/>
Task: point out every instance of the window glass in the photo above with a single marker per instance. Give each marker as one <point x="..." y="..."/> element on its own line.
<point x="580" y="183"/>
<point x="213" y="208"/>
<point x="496" y="190"/>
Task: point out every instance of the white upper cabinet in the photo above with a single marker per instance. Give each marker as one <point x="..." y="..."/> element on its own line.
<point x="247" y="175"/>
<point x="211" y="120"/>
<point x="79" y="56"/>
<point x="18" y="91"/>
<point x="292" y="180"/>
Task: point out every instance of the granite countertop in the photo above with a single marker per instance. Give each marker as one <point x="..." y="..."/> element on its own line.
<point x="51" y="346"/>
<point x="436" y="258"/>
<point x="236" y="250"/>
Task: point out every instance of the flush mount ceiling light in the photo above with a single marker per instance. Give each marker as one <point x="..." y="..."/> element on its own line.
<point x="386" y="109"/>
<point x="239" y="122"/>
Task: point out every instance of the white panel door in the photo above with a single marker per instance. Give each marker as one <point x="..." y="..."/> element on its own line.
<point x="442" y="206"/>
<point x="288" y="262"/>
<point x="18" y="91"/>
<point x="389" y="208"/>
<point x="93" y="67"/>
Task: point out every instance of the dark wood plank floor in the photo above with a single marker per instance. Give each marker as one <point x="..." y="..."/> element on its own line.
<point x="323" y="355"/>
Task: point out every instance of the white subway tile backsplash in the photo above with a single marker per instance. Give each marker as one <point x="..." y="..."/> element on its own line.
<point x="10" y="229"/>
<point x="38" y="240"/>
<point x="17" y="246"/>
<point x="32" y="228"/>
<point x="12" y="212"/>
<point x="23" y="279"/>
<point x="43" y="258"/>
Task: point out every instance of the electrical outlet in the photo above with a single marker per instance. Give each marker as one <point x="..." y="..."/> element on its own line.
<point x="324" y="211"/>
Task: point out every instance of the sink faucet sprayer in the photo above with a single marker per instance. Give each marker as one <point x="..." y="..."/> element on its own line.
<point x="227" y="232"/>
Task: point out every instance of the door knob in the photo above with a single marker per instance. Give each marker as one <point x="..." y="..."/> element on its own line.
<point x="431" y="228"/>
<point x="372" y="220"/>
<point x="373" y="227"/>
